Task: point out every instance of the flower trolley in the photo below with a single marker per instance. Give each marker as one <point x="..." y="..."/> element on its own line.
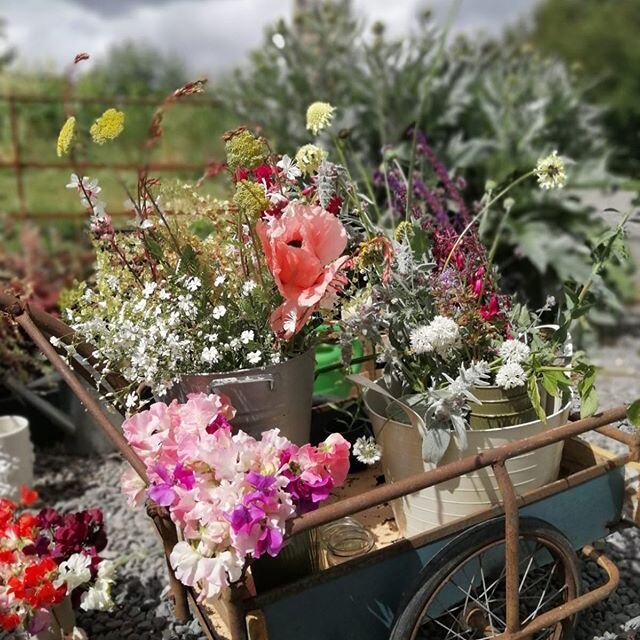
<point x="510" y="572"/>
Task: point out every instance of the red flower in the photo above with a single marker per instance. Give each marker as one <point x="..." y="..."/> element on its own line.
<point x="333" y="206"/>
<point x="26" y="525"/>
<point x="490" y="311"/>
<point x="7" y="555"/>
<point x="264" y="172"/>
<point x="27" y="496"/>
<point x="9" y="621"/>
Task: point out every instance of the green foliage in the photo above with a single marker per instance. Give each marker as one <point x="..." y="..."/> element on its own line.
<point x="600" y="39"/>
<point x="490" y="110"/>
<point x="132" y="69"/>
<point x="633" y="413"/>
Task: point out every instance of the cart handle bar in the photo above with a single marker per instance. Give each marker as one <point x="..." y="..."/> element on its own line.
<point x="419" y="481"/>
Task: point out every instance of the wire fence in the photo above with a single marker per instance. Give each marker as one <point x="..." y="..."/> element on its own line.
<point x="16" y="162"/>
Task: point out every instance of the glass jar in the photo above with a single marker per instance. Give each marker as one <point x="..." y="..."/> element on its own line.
<point x="345" y="539"/>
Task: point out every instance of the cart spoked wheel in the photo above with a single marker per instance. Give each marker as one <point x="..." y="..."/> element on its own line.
<point x="462" y="596"/>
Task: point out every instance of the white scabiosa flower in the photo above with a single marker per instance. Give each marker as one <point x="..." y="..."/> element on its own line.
<point x="439" y="335"/>
<point x="319" y="116"/>
<point x="514" y="351"/>
<point x="366" y="450"/>
<point x="550" y="172"/>
<point x="510" y="376"/>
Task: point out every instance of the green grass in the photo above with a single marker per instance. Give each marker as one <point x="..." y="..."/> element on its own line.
<point x="192" y="134"/>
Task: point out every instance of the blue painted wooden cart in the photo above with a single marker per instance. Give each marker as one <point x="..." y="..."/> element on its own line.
<point x="510" y="572"/>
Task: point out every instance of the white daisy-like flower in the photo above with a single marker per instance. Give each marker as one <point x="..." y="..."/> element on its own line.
<point x="254" y="357"/>
<point x="510" y="376"/>
<point x="219" y="281"/>
<point x="514" y="351"/>
<point x="247" y="336"/>
<point x="275" y="358"/>
<point x="439" y="335"/>
<point x="131" y="401"/>
<point x="289" y="324"/>
<point x="366" y="450"/>
<point x="219" y="311"/>
<point x="234" y="343"/>
<point x="289" y="168"/>
<point x="210" y="355"/>
<point x="148" y="289"/>
<point x="550" y="172"/>
<point x="193" y="284"/>
<point x="248" y="287"/>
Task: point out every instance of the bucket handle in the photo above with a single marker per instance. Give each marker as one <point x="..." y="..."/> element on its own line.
<point x="246" y="379"/>
<point x="414" y="419"/>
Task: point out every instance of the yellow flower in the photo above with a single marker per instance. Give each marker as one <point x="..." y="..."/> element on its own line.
<point x="403" y="231"/>
<point x="108" y="126"/>
<point x="65" y="137"/>
<point x="309" y="158"/>
<point x="319" y="116"/>
<point x="244" y="150"/>
<point x="250" y="198"/>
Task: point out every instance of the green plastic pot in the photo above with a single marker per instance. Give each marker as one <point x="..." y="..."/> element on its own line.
<point x="334" y="383"/>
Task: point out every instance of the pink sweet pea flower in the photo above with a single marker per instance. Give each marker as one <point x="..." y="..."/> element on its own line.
<point x="303" y="251"/>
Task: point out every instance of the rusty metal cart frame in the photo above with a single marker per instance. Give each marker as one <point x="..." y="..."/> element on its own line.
<point x="239" y="602"/>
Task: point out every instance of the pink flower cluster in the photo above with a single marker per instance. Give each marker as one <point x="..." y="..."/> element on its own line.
<point x="230" y="494"/>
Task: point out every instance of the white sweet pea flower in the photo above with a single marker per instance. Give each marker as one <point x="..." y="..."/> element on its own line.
<point x="75" y="571"/>
<point x="98" y="597"/>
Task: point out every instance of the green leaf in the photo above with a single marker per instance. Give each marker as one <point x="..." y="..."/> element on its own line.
<point x="550" y="383"/>
<point x="589" y="403"/>
<point x="154" y="248"/>
<point x="633" y="413"/>
<point x="534" y="396"/>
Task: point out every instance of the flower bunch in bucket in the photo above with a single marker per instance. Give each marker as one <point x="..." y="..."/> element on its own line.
<point x="230" y="495"/>
<point x="50" y="563"/>
<point x="194" y="285"/>
<point x="455" y="347"/>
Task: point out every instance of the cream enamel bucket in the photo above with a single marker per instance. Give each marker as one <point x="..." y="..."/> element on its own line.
<point x="463" y="496"/>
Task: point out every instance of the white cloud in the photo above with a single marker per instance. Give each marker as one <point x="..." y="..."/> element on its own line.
<point x="210" y="35"/>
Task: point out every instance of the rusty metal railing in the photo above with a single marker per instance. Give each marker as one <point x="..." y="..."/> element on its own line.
<point x="39" y="326"/>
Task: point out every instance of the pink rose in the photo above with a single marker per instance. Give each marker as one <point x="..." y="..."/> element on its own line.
<point x="303" y="251"/>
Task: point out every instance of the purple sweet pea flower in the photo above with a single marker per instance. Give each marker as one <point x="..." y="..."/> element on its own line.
<point x="162" y="493"/>
<point x="184" y="476"/>
<point x="219" y="422"/>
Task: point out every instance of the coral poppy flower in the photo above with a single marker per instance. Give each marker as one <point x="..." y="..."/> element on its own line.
<point x="303" y="251"/>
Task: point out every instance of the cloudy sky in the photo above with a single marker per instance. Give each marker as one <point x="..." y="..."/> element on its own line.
<point x="211" y="34"/>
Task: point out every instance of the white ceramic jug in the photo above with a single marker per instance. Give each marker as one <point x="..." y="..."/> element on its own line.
<point x="16" y="456"/>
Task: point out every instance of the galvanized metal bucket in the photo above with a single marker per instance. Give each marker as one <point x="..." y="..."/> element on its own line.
<point x="497" y="407"/>
<point x="278" y="395"/>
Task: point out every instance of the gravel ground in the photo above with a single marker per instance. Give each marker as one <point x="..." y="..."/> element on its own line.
<point x="143" y="611"/>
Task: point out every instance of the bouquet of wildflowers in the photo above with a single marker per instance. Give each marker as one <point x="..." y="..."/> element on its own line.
<point x="46" y="557"/>
<point x="196" y="285"/>
<point x="230" y="495"/>
<point x="432" y="304"/>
